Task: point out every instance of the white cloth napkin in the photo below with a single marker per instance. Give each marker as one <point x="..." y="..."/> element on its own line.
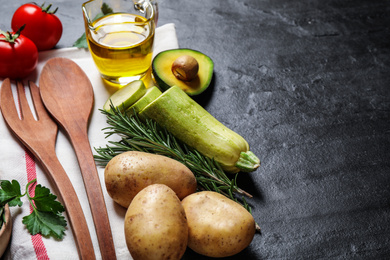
<point x="15" y="163"/>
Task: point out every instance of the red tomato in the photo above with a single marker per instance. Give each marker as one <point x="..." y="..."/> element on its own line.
<point x="42" y="26"/>
<point x="18" y="55"/>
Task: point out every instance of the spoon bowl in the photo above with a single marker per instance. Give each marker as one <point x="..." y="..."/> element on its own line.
<point x="66" y="91"/>
<point x="67" y="94"/>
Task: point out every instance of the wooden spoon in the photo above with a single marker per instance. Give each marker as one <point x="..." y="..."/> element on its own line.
<point x="68" y="96"/>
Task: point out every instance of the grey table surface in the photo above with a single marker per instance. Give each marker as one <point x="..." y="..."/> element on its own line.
<point x="307" y="84"/>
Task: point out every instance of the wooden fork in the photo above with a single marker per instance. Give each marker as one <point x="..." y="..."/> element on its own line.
<point x="39" y="136"/>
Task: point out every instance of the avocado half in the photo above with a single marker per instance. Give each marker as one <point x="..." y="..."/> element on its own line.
<point x="162" y="64"/>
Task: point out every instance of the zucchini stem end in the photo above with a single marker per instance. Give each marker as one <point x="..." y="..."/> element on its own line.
<point x="248" y="162"/>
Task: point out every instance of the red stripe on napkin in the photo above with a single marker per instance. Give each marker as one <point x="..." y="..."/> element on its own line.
<point x="39" y="246"/>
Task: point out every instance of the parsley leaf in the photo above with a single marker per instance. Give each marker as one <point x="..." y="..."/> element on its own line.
<point x="45" y="223"/>
<point x="82" y="41"/>
<point x="45" y="218"/>
<point x="45" y="201"/>
<point x="10" y="193"/>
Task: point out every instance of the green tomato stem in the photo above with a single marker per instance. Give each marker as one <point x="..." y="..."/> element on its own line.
<point x="8" y="37"/>
<point x="46" y="9"/>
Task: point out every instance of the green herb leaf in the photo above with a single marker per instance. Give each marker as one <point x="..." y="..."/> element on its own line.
<point x="45" y="223"/>
<point x="10" y="193"/>
<point x="45" y="201"/>
<point x="147" y="136"/>
<point x="46" y="217"/>
<point x="82" y="41"/>
<point x="106" y="9"/>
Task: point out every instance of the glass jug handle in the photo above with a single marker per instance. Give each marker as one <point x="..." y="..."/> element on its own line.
<point x="141" y="3"/>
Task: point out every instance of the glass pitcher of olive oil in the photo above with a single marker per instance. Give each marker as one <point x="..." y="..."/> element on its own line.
<point x="120" y="36"/>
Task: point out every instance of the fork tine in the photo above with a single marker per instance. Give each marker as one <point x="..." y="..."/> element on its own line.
<point x="40" y="110"/>
<point x="40" y="138"/>
<point x="7" y="100"/>
<point x="25" y="111"/>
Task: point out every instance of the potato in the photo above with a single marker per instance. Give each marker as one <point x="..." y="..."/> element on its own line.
<point x="156" y="225"/>
<point x="128" y="173"/>
<point x="217" y="225"/>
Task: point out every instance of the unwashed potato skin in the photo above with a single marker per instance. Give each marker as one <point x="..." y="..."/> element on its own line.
<point x="217" y="226"/>
<point x="156" y="225"/>
<point x="128" y="173"/>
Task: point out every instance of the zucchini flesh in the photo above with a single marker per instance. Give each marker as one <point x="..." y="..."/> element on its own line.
<point x="193" y="125"/>
<point x="126" y="96"/>
<point x="150" y="95"/>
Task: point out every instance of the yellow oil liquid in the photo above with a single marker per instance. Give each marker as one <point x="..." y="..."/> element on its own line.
<point x="121" y="46"/>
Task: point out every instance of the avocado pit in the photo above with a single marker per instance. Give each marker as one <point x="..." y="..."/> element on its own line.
<point x="165" y="77"/>
<point x="185" y="68"/>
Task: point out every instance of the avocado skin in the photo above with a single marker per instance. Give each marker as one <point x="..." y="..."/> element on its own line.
<point x="161" y="69"/>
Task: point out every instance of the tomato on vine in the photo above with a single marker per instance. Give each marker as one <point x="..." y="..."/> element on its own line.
<point x="19" y="55"/>
<point x="43" y="27"/>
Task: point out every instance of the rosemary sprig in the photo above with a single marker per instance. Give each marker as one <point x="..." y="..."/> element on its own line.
<point x="148" y="136"/>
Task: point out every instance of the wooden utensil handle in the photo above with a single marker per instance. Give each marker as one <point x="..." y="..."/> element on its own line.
<point x="71" y="203"/>
<point x="94" y="191"/>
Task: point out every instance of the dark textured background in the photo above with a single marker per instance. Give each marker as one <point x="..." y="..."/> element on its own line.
<point x="307" y="83"/>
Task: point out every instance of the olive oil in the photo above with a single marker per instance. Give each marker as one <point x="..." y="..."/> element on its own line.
<point x="121" y="45"/>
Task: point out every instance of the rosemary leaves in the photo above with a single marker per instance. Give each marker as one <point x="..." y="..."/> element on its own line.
<point x="147" y="136"/>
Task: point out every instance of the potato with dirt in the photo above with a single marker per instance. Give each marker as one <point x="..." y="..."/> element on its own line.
<point x="156" y="225"/>
<point x="217" y="225"/>
<point x="128" y="173"/>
